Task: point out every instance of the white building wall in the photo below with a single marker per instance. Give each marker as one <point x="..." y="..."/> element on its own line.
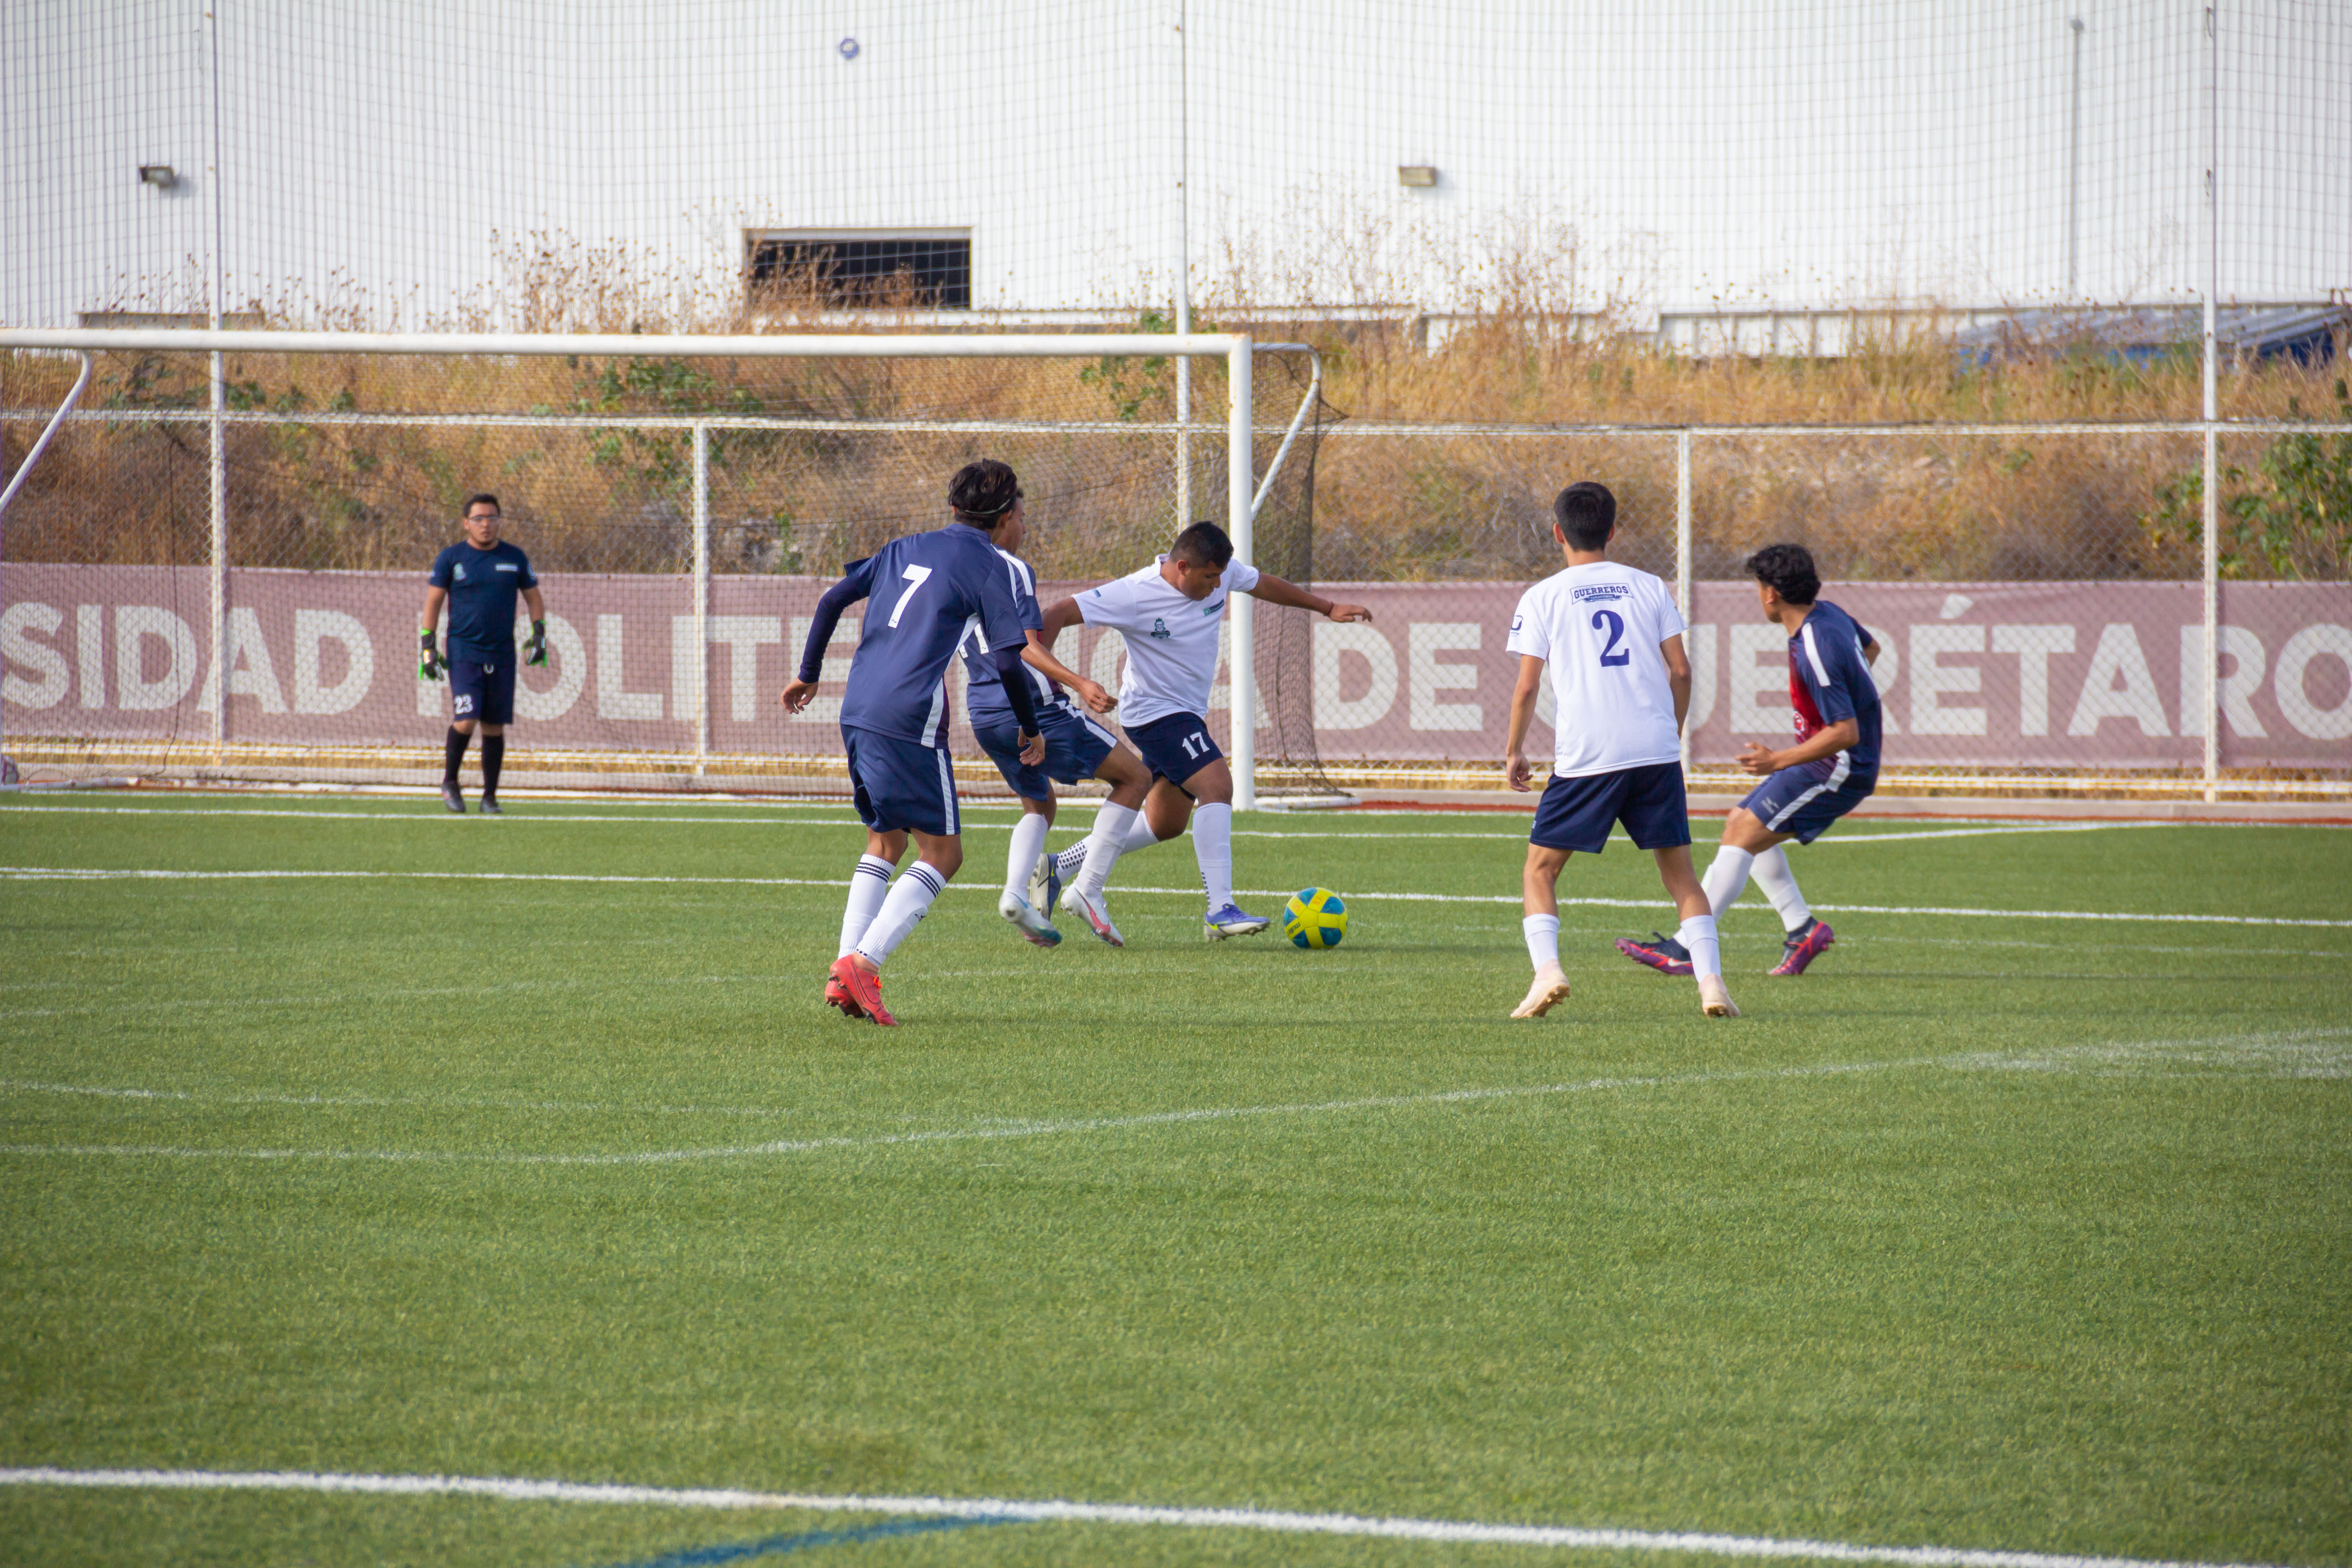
<point x="393" y="161"/>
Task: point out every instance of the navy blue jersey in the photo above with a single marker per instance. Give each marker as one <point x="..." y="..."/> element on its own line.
<point x="929" y="590"/>
<point x="986" y="693"/>
<point x="1829" y="681"/>
<point x="482" y="585"/>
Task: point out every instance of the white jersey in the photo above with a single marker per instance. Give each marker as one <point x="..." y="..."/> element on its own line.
<point x="1172" y="641"/>
<point x="1598" y="628"/>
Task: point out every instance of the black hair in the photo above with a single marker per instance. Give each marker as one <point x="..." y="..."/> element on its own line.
<point x="1787" y="571"/>
<point x="981" y="492"/>
<point x="483" y="498"/>
<point x="1204" y="544"/>
<point x="1586" y="515"/>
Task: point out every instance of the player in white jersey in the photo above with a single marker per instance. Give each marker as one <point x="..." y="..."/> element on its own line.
<point x="1168" y="613"/>
<point x="1621" y="687"/>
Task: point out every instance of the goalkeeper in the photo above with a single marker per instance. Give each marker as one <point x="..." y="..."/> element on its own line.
<point x="479" y="580"/>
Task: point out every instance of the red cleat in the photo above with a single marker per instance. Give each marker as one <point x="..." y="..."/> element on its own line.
<point x="1804" y="946"/>
<point x="1661" y="952"/>
<point x="836" y="995"/>
<point x="865" y="988"/>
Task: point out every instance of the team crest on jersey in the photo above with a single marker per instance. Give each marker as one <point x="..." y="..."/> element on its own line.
<point x="459" y="571"/>
<point x="1158" y="628"/>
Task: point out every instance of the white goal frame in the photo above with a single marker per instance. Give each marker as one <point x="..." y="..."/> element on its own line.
<point x="1242" y="492"/>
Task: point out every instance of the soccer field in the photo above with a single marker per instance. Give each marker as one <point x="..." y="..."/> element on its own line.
<point x="352" y="1138"/>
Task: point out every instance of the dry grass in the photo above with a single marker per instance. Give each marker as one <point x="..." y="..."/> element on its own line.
<point x="1437" y="506"/>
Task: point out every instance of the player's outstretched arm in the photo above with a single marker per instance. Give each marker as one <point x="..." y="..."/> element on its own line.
<point x="1039" y="657"/>
<point x="1516" y="770"/>
<point x="1059" y="617"/>
<point x="1274" y="591"/>
<point x="829" y="609"/>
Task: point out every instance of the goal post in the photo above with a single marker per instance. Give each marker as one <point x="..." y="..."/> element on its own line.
<point x="1106" y="350"/>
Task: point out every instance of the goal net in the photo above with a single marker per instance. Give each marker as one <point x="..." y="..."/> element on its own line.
<point x="193" y="594"/>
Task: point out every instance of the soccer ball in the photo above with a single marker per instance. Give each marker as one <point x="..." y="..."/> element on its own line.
<point x="1314" y="918"/>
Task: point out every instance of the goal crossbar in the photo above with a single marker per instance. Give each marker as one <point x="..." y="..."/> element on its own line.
<point x="1242" y="493"/>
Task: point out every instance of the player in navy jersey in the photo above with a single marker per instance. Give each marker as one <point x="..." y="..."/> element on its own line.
<point x="1077" y="747"/>
<point x="1832" y="769"/>
<point x="479" y="580"/>
<point x="929" y="590"/>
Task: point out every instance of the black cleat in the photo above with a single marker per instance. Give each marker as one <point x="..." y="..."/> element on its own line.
<point x="452" y="799"/>
<point x="491" y="806"/>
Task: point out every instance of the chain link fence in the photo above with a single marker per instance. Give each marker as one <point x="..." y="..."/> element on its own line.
<point x="2040" y="592"/>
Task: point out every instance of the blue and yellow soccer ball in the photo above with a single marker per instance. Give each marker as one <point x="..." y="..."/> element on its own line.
<point x="1314" y="918"/>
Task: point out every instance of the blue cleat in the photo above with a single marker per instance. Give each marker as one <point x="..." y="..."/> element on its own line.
<point x="1232" y="921"/>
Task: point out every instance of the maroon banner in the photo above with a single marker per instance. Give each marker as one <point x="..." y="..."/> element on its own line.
<point x="2066" y="675"/>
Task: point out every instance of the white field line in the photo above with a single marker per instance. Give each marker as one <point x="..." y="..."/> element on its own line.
<point x="997" y="1129"/>
<point x="851" y="822"/>
<point x="92" y="874"/>
<point x="1061" y="1512"/>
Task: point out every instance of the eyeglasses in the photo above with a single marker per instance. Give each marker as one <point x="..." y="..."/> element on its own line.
<point x="481" y="517"/>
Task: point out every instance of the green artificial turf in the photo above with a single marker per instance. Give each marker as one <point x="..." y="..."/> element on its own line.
<point x="2000" y="1233"/>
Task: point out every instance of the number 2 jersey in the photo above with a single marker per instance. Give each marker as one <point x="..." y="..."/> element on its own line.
<point x="1598" y="626"/>
<point x="925" y="594"/>
<point x="1829" y="680"/>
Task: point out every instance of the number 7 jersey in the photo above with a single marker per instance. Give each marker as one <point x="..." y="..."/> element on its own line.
<point x="924" y="593"/>
<point x="1599" y="626"/>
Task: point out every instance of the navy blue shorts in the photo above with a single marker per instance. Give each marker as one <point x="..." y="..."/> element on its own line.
<point x="1803" y="801"/>
<point x="900" y="785"/>
<point x="1577" y="814"/>
<point x="1175" y="747"/>
<point x="483" y="691"/>
<point x="1074" y="747"/>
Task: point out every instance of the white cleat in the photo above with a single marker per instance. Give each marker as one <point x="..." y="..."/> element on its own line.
<point x="1027" y="920"/>
<point x="1550" y="991"/>
<point x="1045" y="884"/>
<point x="1097" y="918"/>
<point x="1713" y="999"/>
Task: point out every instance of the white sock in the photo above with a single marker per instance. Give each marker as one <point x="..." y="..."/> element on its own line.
<point x="1212" y="845"/>
<point x="1137" y="834"/>
<point x="1104" y="845"/>
<point x="1028" y="843"/>
<point x="1726" y="875"/>
<point x="909" y="900"/>
<point x="868" y="885"/>
<point x="1542" y="933"/>
<point x="1780" y="885"/>
<point x="1697" y="936"/>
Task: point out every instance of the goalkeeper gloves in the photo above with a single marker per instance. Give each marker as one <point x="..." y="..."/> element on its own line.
<point x="534" y="651"/>
<point x="430" y="666"/>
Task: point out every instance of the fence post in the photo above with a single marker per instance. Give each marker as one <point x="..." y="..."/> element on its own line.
<point x="1682" y="598"/>
<point x="219" y="504"/>
<point x="701" y="597"/>
<point x="1239" y="483"/>
<point x="2212" y="409"/>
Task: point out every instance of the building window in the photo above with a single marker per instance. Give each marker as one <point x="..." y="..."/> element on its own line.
<point x="920" y="269"/>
